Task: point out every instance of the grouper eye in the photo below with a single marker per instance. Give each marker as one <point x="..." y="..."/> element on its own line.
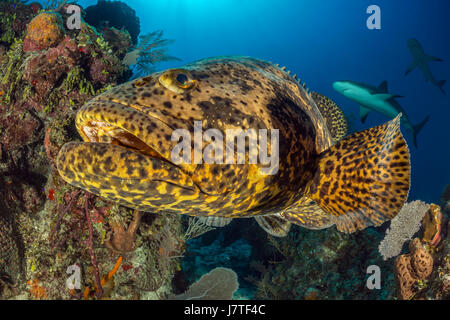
<point x="182" y="78"/>
<point x="177" y="80"/>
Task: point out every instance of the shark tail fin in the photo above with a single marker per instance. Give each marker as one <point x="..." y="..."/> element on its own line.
<point x="364" y="179"/>
<point x="441" y="84"/>
<point x="417" y="128"/>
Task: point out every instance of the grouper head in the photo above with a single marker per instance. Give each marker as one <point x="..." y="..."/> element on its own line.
<point x="128" y="142"/>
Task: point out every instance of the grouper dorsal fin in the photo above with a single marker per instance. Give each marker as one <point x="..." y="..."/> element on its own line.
<point x="274" y="225"/>
<point x="333" y="115"/>
<point x="364" y="179"/>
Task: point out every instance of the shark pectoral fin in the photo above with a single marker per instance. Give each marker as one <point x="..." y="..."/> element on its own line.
<point x="274" y="225"/>
<point x="411" y="67"/>
<point x="383" y="96"/>
<point x="363" y="113"/>
<point x="431" y="58"/>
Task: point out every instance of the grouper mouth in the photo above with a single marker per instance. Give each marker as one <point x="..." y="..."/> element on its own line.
<point x="121" y="158"/>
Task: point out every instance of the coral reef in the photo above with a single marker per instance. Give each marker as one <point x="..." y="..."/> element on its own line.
<point x="13" y="21"/>
<point x="48" y="227"/>
<point x="325" y="264"/>
<point x="117" y="14"/>
<point x="424" y="272"/>
<point x="445" y="199"/>
<point x="201" y="257"/>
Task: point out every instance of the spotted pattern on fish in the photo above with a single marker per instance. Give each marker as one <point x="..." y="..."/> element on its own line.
<point x="335" y="118"/>
<point x="127" y="133"/>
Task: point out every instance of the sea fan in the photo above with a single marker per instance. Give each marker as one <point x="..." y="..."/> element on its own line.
<point x="54" y="4"/>
<point x="152" y="49"/>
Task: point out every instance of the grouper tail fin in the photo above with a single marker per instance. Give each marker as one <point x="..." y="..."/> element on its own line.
<point x="364" y="179"/>
<point x="417" y="128"/>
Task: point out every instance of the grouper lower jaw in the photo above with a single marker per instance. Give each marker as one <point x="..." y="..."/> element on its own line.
<point x="117" y="173"/>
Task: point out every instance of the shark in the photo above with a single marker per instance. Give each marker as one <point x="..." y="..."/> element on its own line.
<point x="421" y="60"/>
<point x="371" y="98"/>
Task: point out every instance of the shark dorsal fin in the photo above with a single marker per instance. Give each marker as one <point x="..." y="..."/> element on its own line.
<point x="383" y="87"/>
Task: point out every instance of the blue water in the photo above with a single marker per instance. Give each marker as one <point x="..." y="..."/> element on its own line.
<point x="325" y="41"/>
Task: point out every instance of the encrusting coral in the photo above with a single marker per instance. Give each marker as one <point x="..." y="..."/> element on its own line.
<point x="44" y="31"/>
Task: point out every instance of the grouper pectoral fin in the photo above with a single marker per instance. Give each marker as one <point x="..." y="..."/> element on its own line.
<point x="363" y="113"/>
<point x="217" y="222"/>
<point x="364" y="179"/>
<point x="274" y="225"/>
<point x="307" y="214"/>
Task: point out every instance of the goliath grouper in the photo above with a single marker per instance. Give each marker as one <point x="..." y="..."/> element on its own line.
<point x="359" y="181"/>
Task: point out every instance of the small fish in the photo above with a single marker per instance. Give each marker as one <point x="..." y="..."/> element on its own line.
<point x="359" y="181"/>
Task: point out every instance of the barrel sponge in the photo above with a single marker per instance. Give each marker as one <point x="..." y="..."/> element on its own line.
<point x="44" y="31"/>
<point x="412" y="268"/>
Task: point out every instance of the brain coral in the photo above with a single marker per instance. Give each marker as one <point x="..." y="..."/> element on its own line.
<point x="413" y="268"/>
<point x="44" y="31"/>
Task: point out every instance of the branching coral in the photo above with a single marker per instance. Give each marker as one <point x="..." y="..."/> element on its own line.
<point x="196" y="228"/>
<point x="152" y="49"/>
<point x="121" y="239"/>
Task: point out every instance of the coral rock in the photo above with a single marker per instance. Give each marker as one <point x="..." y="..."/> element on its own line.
<point x="43" y="32"/>
<point x="412" y="268"/>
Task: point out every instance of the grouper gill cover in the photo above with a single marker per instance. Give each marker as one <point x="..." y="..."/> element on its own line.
<point x="126" y="156"/>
